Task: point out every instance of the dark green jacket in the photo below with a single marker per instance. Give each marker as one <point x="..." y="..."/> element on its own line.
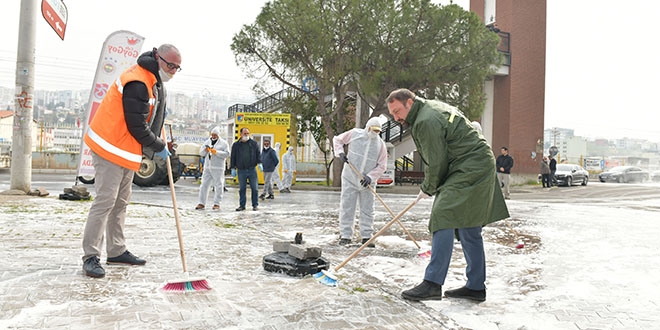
<point x="459" y="167"/>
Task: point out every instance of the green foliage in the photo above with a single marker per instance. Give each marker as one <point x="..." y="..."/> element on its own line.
<point x="368" y="47"/>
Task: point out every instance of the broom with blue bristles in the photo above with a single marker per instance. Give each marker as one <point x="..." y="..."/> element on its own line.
<point x="326" y="278"/>
<point x="186" y="283"/>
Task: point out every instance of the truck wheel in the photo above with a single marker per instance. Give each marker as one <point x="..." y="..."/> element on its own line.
<point x="151" y="173"/>
<point x="176" y="170"/>
<point x="86" y="179"/>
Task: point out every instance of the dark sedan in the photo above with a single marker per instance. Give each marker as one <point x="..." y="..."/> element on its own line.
<point x="569" y="174"/>
<point x="624" y="174"/>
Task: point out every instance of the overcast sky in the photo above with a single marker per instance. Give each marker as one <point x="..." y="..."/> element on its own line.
<point x="601" y="73"/>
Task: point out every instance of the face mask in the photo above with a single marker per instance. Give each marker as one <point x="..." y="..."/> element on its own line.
<point x="266" y="147"/>
<point x="245" y="138"/>
<point x="373" y="134"/>
<point x="164" y="76"/>
<point x="213" y="140"/>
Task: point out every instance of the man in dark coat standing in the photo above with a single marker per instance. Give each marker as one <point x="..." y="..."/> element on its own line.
<point x="245" y="156"/>
<point x="553" y="169"/>
<point x="459" y="170"/>
<point x="270" y="161"/>
<point x="504" y="165"/>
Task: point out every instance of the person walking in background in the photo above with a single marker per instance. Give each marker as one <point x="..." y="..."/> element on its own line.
<point x="553" y="170"/>
<point x="288" y="169"/>
<point x="245" y="157"/>
<point x="368" y="154"/>
<point x="270" y="161"/>
<point x="545" y="173"/>
<point x="460" y="171"/>
<point x="126" y="125"/>
<point x="277" y="181"/>
<point x="214" y="151"/>
<point x="504" y="165"/>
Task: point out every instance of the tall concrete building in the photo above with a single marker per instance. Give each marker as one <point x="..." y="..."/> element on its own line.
<point x="516" y="95"/>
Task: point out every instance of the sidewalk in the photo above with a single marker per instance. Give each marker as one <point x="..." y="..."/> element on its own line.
<point x="42" y="285"/>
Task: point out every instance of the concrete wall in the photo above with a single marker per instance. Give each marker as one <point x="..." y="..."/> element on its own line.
<point x="69" y="161"/>
<point x="55" y="160"/>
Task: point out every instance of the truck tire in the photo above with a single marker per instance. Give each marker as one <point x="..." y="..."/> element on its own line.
<point x="176" y="171"/>
<point x="152" y="172"/>
<point x="86" y="179"/>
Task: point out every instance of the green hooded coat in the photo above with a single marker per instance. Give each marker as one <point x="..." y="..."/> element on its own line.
<point x="459" y="167"/>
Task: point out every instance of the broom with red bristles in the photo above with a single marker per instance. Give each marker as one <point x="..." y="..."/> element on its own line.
<point x="187" y="283"/>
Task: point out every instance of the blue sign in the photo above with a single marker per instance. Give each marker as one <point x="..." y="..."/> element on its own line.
<point x="309" y="84"/>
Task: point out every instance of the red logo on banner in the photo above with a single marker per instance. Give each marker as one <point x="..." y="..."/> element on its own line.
<point x="100" y="90"/>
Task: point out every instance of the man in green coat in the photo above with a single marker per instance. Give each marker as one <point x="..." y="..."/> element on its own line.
<point x="459" y="169"/>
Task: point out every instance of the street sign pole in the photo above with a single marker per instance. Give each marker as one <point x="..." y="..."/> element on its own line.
<point x="21" y="145"/>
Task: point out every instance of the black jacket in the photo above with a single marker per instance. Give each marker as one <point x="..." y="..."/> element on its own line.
<point x="269" y="158"/>
<point x="506" y="162"/>
<point x="136" y="108"/>
<point x="245" y="155"/>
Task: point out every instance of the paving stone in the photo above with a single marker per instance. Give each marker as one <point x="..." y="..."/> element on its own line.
<point x="42" y="240"/>
<point x="304" y="251"/>
<point x="281" y="246"/>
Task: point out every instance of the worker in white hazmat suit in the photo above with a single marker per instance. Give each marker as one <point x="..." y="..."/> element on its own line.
<point x="214" y="151"/>
<point x="288" y="169"/>
<point x="276" y="174"/>
<point x="368" y="154"/>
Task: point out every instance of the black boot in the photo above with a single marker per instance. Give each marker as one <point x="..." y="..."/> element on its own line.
<point x="465" y="293"/>
<point x="126" y="258"/>
<point x="92" y="267"/>
<point x="427" y="290"/>
<point x="344" y="241"/>
<point x="371" y="245"/>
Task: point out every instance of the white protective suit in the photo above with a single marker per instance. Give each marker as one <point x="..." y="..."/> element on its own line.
<point x="368" y="154"/>
<point x="288" y="168"/>
<point x="214" y="167"/>
<point x="276" y="174"/>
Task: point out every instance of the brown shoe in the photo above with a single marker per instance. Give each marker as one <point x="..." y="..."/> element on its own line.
<point x="199" y="207"/>
<point x="216" y="207"/>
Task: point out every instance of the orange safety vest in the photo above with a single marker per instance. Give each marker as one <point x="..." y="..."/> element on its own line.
<point x="108" y="134"/>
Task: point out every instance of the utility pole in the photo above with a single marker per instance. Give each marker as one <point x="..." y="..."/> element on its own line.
<point x="21" y="145"/>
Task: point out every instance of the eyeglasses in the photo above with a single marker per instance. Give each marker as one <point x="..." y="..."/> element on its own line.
<point x="170" y="65"/>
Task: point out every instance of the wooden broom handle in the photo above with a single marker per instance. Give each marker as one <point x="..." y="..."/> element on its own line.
<point x="175" y="206"/>
<point x="382" y="230"/>
<point x="385" y="205"/>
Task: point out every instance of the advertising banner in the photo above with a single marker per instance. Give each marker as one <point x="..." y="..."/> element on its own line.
<point x="120" y="50"/>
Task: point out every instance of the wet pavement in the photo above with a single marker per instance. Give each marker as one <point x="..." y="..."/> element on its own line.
<point x="585" y="265"/>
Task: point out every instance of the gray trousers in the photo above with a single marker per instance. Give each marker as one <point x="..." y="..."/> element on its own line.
<point x="113" y="186"/>
<point x="504" y="179"/>
<point x="268" y="183"/>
